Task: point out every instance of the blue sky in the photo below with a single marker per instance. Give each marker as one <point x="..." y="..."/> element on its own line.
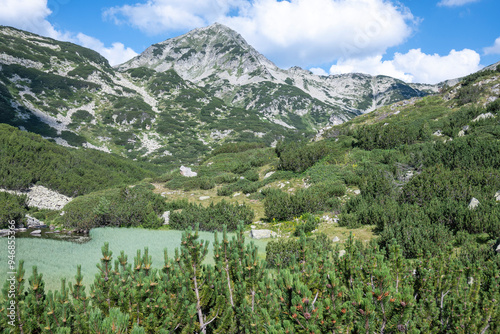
<point x="414" y="40"/>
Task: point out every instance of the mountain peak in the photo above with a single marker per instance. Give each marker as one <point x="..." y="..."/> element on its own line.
<point x="219" y="27"/>
<point x="215" y="31"/>
<point x="201" y="52"/>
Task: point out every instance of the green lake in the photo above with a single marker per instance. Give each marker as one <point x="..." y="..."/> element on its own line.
<point x="56" y="259"/>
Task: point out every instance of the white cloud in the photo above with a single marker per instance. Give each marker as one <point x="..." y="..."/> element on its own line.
<point x="294" y="32"/>
<point x="318" y="31"/>
<point x="415" y="66"/>
<point x="370" y="65"/>
<point x="318" y="71"/>
<point x="155" y="16"/>
<point x="455" y="3"/>
<point x="494" y="49"/>
<point x="116" y="54"/>
<point x="31" y="15"/>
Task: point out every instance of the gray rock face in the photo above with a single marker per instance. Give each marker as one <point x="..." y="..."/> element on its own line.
<point x="34" y="223"/>
<point x="473" y="203"/>
<point x="166" y="217"/>
<point x="187" y="172"/>
<point x="262" y="234"/>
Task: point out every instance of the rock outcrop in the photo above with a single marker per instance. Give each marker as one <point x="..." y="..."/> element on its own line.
<point x="187" y="172"/>
<point x="262" y="234"/>
<point x="474" y="202"/>
<point x="166" y="217"/>
<point x="43" y="198"/>
<point x="32" y="222"/>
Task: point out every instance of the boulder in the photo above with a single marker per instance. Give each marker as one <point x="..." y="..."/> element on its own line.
<point x="438" y="133"/>
<point x="497" y="196"/>
<point x="341" y="253"/>
<point x="34" y="223"/>
<point x="187" y="172"/>
<point x="498" y="248"/>
<point x="483" y="116"/>
<point x="262" y="234"/>
<point x="202" y="198"/>
<point x="473" y="203"/>
<point x="268" y="175"/>
<point x="36" y="232"/>
<point x="166" y="217"/>
<point x="336" y="239"/>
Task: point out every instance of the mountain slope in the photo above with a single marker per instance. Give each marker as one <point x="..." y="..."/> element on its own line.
<point x="219" y="58"/>
<point x="178" y="100"/>
<point x="72" y="95"/>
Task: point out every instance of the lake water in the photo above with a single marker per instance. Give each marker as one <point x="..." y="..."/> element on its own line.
<point x="56" y="259"/>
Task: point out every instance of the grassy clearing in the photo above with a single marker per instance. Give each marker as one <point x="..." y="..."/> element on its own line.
<point x="365" y="233"/>
<point x="193" y="196"/>
<point x="284" y="228"/>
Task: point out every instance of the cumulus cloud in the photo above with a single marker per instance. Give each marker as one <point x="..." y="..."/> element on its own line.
<point x="155" y="16"/>
<point x="318" y="31"/>
<point x="415" y="66"/>
<point x="31" y="15"/>
<point x="455" y="3"/>
<point x="116" y="54"/>
<point x="294" y="32"/>
<point x="494" y="49"/>
<point x="318" y="71"/>
<point x="370" y="65"/>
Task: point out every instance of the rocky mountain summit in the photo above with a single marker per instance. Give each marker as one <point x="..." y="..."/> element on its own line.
<point x="179" y="99"/>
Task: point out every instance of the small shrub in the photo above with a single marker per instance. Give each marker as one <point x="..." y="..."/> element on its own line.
<point x="284" y="253"/>
<point x="128" y="207"/>
<point x="309" y="224"/>
<point x="213" y="217"/>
